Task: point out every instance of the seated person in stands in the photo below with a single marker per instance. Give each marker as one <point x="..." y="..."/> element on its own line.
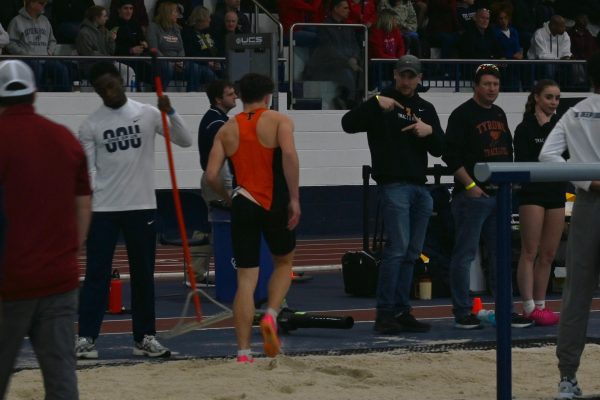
<point x="217" y="24"/>
<point x="478" y="41"/>
<point x="94" y="39"/>
<point x="299" y="11"/>
<point x="385" y="41"/>
<point x="362" y="12"/>
<point x="164" y="35"/>
<point x="185" y="9"/>
<point x="231" y="27"/>
<point x="140" y="14"/>
<point x="198" y="42"/>
<point x="507" y="36"/>
<point x="583" y="43"/>
<point x="4" y="38"/>
<point x="31" y="34"/>
<point x="551" y="42"/>
<point x="406" y="17"/>
<point x="465" y="12"/>
<point x="67" y="16"/>
<point x="337" y="56"/>
<point x="131" y="41"/>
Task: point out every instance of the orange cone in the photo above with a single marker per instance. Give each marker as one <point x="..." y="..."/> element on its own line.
<point x="477" y="305"/>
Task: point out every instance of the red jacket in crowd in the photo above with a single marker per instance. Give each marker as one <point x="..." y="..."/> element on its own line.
<point x="386" y="44"/>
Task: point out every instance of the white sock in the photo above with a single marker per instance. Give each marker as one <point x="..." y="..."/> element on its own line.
<point x="528" y="306"/>
<point x="541" y="304"/>
<point x="245" y="352"/>
<point x="273" y="313"/>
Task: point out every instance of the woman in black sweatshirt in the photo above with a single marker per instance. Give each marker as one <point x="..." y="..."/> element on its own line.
<point x="541" y="205"/>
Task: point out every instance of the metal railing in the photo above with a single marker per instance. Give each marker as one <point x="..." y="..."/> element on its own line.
<point x="275" y="20"/>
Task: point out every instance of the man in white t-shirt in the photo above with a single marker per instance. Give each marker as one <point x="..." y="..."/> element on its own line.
<point x="577" y="132"/>
<point x="118" y="139"/>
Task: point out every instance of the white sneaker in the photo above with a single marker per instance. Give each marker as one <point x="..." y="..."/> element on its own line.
<point x="568" y="388"/>
<point x="85" y="347"/>
<point x="150" y="347"/>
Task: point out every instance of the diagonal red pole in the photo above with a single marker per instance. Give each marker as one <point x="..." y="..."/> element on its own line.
<point x="175" y="189"/>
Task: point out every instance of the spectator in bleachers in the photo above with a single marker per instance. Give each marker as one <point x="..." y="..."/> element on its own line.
<point x="4" y="38"/>
<point x="443" y="26"/>
<point x="9" y="10"/>
<point x="337" y="56"/>
<point x="198" y="42"/>
<point x="217" y="24"/>
<point x="478" y="40"/>
<point x="164" y="35"/>
<point x="551" y="42"/>
<point x="583" y="44"/>
<point x="67" y="16"/>
<point x="230" y="27"/>
<point x="465" y="12"/>
<point x="507" y="36"/>
<point x="131" y="41"/>
<point x="31" y="34"/>
<point x="140" y="14"/>
<point x="94" y="39"/>
<point x="385" y="41"/>
<point x="297" y="11"/>
<point x="184" y="6"/>
<point x="362" y="12"/>
<point x="406" y="17"/>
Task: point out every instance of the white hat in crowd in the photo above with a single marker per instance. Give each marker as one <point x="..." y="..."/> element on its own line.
<point x="16" y="71"/>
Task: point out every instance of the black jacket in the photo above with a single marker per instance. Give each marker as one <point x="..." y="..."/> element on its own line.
<point x="396" y="156"/>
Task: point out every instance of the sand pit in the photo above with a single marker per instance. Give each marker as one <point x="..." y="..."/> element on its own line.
<point x="396" y="375"/>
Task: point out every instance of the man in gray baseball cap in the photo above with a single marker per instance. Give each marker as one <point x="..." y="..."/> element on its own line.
<point x="402" y="129"/>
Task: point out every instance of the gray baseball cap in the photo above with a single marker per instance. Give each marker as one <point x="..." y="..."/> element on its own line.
<point x="409" y="63"/>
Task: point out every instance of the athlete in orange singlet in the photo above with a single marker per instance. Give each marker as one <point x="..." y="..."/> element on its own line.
<point x="260" y="144"/>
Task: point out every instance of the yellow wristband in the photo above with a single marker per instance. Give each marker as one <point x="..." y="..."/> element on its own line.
<point x="470" y="186"/>
<point x="377" y="97"/>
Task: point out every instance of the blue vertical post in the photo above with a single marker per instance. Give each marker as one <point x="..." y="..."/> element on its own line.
<point x="503" y="295"/>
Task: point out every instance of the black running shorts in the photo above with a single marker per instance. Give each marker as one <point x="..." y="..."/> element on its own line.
<point x="248" y="221"/>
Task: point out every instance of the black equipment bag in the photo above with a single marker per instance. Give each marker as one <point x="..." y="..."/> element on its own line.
<point x="360" y="269"/>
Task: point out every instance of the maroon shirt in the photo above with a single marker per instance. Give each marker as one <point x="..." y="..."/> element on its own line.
<point x="42" y="170"/>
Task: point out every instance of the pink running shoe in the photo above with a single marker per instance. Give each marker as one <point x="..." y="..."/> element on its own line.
<point x="544" y="317"/>
<point x="268" y="328"/>
<point x="245" y="359"/>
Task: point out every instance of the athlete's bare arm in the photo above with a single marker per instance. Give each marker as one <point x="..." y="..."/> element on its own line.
<point x="291" y="166"/>
<point x="216" y="159"/>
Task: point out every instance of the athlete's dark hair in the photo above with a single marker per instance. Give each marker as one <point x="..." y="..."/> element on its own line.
<point x="103" y="68"/>
<point x="537" y="90"/>
<point x="215" y="90"/>
<point x="11" y="101"/>
<point x="593" y="69"/>
<point x="253" y="87"/>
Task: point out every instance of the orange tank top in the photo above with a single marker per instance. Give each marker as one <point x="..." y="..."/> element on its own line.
<point x="252" y="162"/>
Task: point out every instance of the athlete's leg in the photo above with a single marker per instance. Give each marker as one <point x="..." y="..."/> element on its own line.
<point x="554" y="221"/>
<point x="531" y="218"/>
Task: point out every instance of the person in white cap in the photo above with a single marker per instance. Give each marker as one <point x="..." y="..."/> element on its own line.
<point x="47" y="201"/>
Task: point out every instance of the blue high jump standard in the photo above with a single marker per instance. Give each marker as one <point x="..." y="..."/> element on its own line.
<point x="225" y="269"/>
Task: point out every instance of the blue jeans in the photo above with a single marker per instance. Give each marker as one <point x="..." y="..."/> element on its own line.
<point x="406" y="209"/>
<point x="474" y="218"/>
<point x="139" y="231"/>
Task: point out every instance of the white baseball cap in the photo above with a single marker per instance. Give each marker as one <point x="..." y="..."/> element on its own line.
<point x="16" y="71"/>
